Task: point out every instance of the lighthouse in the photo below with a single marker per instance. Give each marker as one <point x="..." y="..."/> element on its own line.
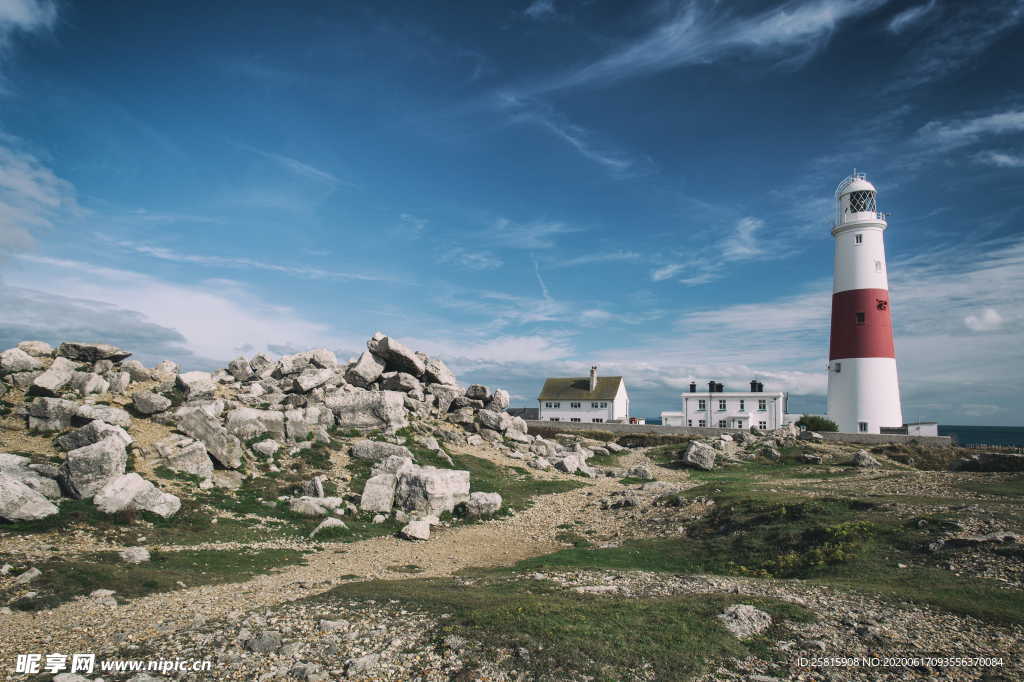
<point x="863" y="389"/>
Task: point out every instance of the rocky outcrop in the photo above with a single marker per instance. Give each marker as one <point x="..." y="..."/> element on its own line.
<point x="431" y="491"/>
<point x="375" y="451"/>
<point x="87" y="469"/>
<point x="222" y="446"/>
<point x="91" y="352"/>
<point x="148" y="402"/>
<point x="18" y="502"/>
<point x="369" y="410"/>
<point x="185" y="455"/>
<point x="131" y="491"/>
<point x="744" y="620"/>
<point x="699" y="455"/>
<point x="195" y="385"/>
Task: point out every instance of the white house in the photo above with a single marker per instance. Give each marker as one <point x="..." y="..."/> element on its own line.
<point x="582" y="399"/>
<point x="717" y="407"/>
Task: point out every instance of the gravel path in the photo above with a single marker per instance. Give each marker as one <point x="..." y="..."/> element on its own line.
<point x="85" y="625"/>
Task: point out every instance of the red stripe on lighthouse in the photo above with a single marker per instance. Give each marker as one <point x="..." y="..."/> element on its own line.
<point x="861" y="325"/>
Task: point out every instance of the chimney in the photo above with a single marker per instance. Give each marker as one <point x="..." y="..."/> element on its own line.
<point x="593" y="378"/>
<point x="693" y="387"/>
<point x="753" y="386"/>
<point x="711" y="386"/>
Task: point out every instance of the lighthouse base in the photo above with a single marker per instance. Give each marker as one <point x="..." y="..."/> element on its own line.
<point x="864" y="394"/>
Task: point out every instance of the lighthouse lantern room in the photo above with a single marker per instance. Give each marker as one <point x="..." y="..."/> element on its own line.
<point x="863" y="388"/>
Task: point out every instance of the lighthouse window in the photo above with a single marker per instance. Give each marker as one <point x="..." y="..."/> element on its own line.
<point x="859" y="239"/>
<point x="862" y="427"/>
<point x="878" y="266"/>
<point x="860" y="318"/>
<point x="862" y="201"/>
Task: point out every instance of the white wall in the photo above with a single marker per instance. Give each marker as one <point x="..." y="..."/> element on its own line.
<point x="772" y="415"/>
<point x="855" y="263"/>
<point x="585" y="412"/>
<point x="865" y="389"/>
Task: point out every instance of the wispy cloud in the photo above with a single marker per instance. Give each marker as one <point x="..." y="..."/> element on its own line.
<point x="531" y="111"/>
<point x="164" y="217"/>
<point x="965" y="31"/>
<point x="791" y="32"/>
<point x="947" y="135"/>
<point x="163" y="253"/>
<point x="470" y="259"/>
<point x="1000" y="159"/>
<point x="744" y="243"/>
<point x="910" y="16"/>
<point x="540" y="9"/>
<point x="666" y="271"/>
<point x="708" y="263"/>
<point x="296" y="167"/>
<point x="537" y="235"/>
<point x="32" y="197"/>
<point x="24" y="16"/>
<point x="593" y="258"/>
<point x="540" y="280"/>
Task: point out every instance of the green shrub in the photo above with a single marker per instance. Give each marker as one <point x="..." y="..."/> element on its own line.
<point x="813" y="422"/>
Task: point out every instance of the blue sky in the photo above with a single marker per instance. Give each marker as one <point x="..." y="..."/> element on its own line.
<point x="522" y="188"/>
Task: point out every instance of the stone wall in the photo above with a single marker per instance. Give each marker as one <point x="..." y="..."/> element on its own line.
<point x="858" y="438"/>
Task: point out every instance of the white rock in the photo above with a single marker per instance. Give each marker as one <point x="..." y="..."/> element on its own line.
<point x="379" y="493"/>
<point x="18" y="502"/>
<point x="185" y="455"/>
<point x="87" y="469"/>
<point x="196" y="384"/>
<point x="744" y="620"/>
<point x="482" y="504"/>
<point x="148" y="402"/>
<point x="16" y="360"/>
<point x="131" y="491"/>
<point x="55" y="377"/>
<point x="28" y="576"/>
<point x="416" y="530"/>
<point x="134" y="555"/>
<point x="37" y="349"/>
<point x="329" y="522"/>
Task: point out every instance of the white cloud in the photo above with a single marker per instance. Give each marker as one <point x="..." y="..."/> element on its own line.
<point x="618" y="163"/>
<point x="25" y="16"/>
<point x="793" y="31"/>
<point x="31" y="197"/>
<point x="412" y="223"/>
<point x="298" y="168"/>
<point x="743" y="243"/>
<point x="987" y="320"/>
<point x="910" y="16"/>
<point x="666" y="271"/>
<point x="540" y="9"/>
<point x="965" y="31"/>
<point x="209" y="320"/>
<point x="947" y="135"/>
<point x="166" y="254"/>
<point x="537" y="235"/>
<point x="600" y="257"/>
<point x="471" y="260"/>
<point x="999" y="159"/>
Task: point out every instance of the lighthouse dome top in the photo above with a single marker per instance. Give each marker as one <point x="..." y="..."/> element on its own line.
<point x="856" y="202"/>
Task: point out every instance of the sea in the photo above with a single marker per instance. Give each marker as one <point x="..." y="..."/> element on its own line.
<point x="984" y="435"/>
<point x="1012" y="436"/>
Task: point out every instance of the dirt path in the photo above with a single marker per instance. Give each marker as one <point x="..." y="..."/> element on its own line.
<point x="85" y="626"/>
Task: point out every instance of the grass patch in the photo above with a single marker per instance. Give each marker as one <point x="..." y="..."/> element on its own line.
<point x="62" y="580"/>
<point x="570" y="634"/>
<point x="919" y="456"/>
<point x="1011" y="487"/>
<point x="516" y="486"/>
<point x="846" y="543"/>
<point x="633" y="480"/>
<point x="648" y="440"/>
<point x="609" y="460"/>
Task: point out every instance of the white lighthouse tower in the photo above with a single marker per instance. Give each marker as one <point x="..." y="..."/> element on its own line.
<point x="863" y="389"/>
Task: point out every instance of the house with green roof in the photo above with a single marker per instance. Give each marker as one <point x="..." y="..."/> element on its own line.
<point x="590" y="399"/>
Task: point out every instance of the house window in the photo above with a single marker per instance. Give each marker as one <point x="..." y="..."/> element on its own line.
<point x="689" y="422"/>
<point x="862" y="427"/>
<point x="597" y="421"/>
<point x="743" y="405"/>
<point x="558" y="404"/>
<point x="721" y="406"/>
<point x="549" y="404"/>
<point x="595" y="404"/>
<point x="702" y="405"/>
<point x="762" y="425"/>
<point x="701" y="423"/>
<point x="859" y="239"/>
<point x="574" y="406"/>
<point x="721" y="423"/>
<point x="574" y="419"/>
<point x="762" y="405"/>
<point x="860" y="318"/>
<point x="554" y="419"/>
<point x="604" y="404"/>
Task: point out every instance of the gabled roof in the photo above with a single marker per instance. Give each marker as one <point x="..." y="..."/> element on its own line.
<point x="578" y="388"/>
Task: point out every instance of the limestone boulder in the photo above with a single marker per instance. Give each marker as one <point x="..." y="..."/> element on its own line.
<point x="87" y="469"/>
<point x="375" y="451"/>
<point x="435" y="371"/>
<point x="18" y="502"/>
<point x="369" y="409"/>
<point x="37" y="349"/>
<point x="744" y="620"/>
<point x="240" y="369"/>
<point x="92" y="432"/>
<point x="222" y="446"/>
<point x="397" y="357"/>
<point x="699" y="455"/>
<point x="431" y="491"/>
<point x="131" y="491"/>
<point x="862" y="458"/>
<point x="15" y="360"/>
<point x="148" y="402"/>
<point x="137" y="371"/>
<point x="91" y="352"/>
<point x="185" y="455"/>
<point x="39" y="477"/>
<point x="416" y="530"/>
<point x="247" y="422"/>
<point x="445" y="395"/>
<point x="499" y="400"/>
<point x="88" y="383"/>
<point x="482" y="504"/>
<point x="498" y="421"/>
<point x="300" y="423"/>
<point x="309" y="379"/>
<point x="105" y="413"/>
<point x="476" y="392"/>
<point x="379" y="493"/>
<point x="196" y="385"/>
<point x="401" y="381"/>
<point x="366" y="370"/>
<point x="51" y="414"/>
<point x="55" y="378"/>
